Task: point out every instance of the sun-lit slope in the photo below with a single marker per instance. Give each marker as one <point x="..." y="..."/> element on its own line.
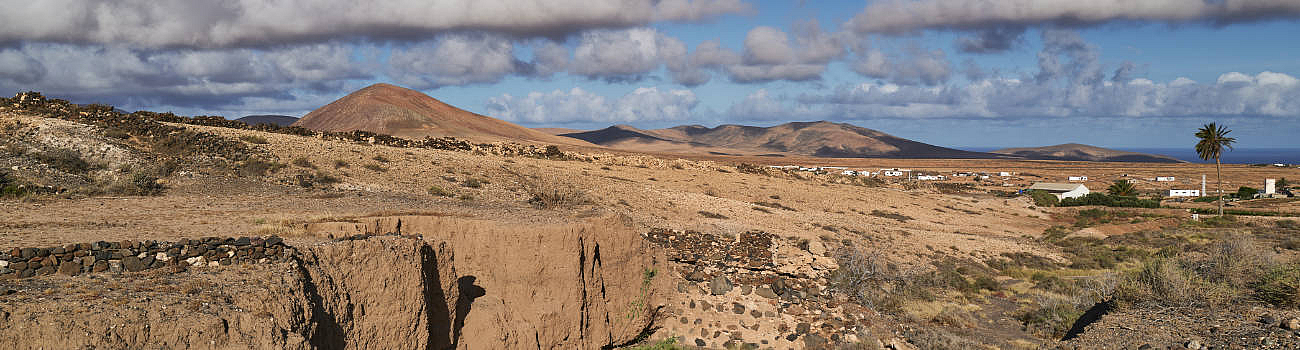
<point x="1074" y="151"/>
<point x="398" y="111"/>
<point x="822" y="139"/>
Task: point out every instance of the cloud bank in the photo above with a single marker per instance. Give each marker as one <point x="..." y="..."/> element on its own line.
<point x="248" y="23"/>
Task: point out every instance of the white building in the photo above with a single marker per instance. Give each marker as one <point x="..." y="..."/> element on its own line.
<point x="1270" y="186"/>
<point x="1004" y="174"/>
<point x="1164" y="178"/>
<point x="929" y="177"/>
<point x="1062" y="191"/>
<point x="848" y="172"/>
<point x="891" y="173"/>
<point x="1184" y="193"/>
<point x="1078" y="178"/>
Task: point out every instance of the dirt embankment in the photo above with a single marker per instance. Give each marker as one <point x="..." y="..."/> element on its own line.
<point x="574" y="286"/>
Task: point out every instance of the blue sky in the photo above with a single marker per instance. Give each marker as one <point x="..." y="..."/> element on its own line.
<point x="964" y="73"/>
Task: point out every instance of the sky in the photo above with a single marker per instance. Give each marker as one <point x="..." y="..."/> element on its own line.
<point x="957" y="73"/>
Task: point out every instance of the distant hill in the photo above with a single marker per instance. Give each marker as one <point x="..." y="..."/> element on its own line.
<point x="557" y="131"/>
<point x="821" y="139"/>
<point x="281" y="120"/>
<point x="1079" y="152"/>
<point x="398" y="111"/>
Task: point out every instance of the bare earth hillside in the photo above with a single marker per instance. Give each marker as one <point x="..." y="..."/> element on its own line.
<point x="392" y="110"/>
<point x="401" y="244"/>
<point x="821" y="139"/>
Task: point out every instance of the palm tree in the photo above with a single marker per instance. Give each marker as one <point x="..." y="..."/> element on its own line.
<point x="1122" y="188"/>
<point x="1213" y="139"/>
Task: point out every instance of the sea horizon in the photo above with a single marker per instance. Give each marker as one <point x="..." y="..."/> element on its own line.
<point x="1260" y="155"/>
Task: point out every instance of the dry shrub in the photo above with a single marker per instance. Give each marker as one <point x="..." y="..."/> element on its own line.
<point x="956" y="317"/>
<point x="552" y="195"/>
<point x="870" y="280"/>
<point x="304" y="163"/>
<point x="1166" y="282"/>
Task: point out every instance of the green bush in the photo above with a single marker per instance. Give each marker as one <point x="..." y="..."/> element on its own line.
<point x="1244" y="192"/>
<point x="9" y="186"/>
<point x="1102" y="199"/>
<point x="1043" y="198"/>
<point x="1280" y="286"/>
<point x="474" y="183"/>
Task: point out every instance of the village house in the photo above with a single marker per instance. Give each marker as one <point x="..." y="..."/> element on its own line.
<point x="1164" y="178"/>
<point x="1184" y="193"/>
<point x="891" y="172"/>
<point x="929" y="177"/>
<point x="1062" y="191"/>
<point x="1078" y="178"/>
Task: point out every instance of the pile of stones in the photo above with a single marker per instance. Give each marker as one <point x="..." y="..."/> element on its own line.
<point x="131" y="256"/>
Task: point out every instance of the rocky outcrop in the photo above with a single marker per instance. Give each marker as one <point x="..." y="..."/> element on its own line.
<point x="553" y="286"/>
<point x="381" y="293"/>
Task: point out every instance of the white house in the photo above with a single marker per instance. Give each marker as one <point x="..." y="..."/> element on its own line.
<point x="1078" y="178"/>
<point x="848" y="172"/>
<point x="1004" y="174"/>
<point x="891" y="173"/>
<point x="929" y="177"/>
<point x="1184" y="193"/>
<point x="1164" y="178"/>
<point x="1062" y="191"/>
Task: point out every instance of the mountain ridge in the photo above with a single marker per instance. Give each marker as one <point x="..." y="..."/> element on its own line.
<point x="1082" y="152"/>
<point x="393" y="110"/>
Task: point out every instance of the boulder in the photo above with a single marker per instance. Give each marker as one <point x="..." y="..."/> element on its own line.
<point x="720" y="285"/>
<point x="133" y="264"/>
<point x="70" y="268"/>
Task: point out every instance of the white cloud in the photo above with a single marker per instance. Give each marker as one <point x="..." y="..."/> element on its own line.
<point x="901" y="16"/>
<point x="624" y="54"/>
<point x="580" y="106"/>
<point x="243" y="23"/>
<point x="1235" y="94"/>
<point x="457" y="59"/>
<point x="769" y="55"/>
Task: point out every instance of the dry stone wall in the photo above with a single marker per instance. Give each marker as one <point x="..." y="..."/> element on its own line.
<point x="131" y="256"/>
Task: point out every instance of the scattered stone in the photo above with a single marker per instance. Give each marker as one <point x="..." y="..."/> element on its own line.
<point x="755" y="313"/>
<point x="115" y="266"/>
<point x="745" y="290"/>
<point x="1291" y="324"/>
<point x="720" y="285"/>
<point x="802" y="328"/>
<point x="765" y="291"/>
<point x="738" y="308"/>
<point x="699" y="342"/>
<point x="132" y="264"/>
<point x="1193" y="344"/>
<point x="100" y="266"/>
<point x="46" y="270"/>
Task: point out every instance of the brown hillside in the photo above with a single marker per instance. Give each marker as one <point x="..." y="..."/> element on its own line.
<point x="398" y="111"/>
<point x="820" y="139"/>
<point x="1074" y="151"/>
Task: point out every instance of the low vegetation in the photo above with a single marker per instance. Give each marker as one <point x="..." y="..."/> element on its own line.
<point x="253" y="139"/>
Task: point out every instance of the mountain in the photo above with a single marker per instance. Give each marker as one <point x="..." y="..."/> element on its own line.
<point x="557" y="131"/>
<point x="398" y="111"/>
<point x="1074" y="151"/>
<point x="281" y="120"/>
<point x="821" y="139"/>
